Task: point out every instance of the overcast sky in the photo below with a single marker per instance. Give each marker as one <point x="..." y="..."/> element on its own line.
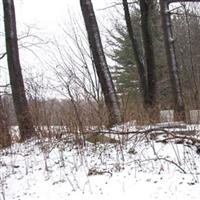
<point x="46" y="17"/>
<point x="49" y="13"/>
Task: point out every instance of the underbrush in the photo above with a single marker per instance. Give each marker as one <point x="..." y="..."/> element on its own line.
<point x="71" y="161"/>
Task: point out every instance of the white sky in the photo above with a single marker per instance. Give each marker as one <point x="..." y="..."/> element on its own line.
<point x="48" y="14"/>
<point x="47" y="17"/>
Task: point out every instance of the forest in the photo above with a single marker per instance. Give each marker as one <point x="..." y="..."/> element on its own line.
<point x="111" y="103"/>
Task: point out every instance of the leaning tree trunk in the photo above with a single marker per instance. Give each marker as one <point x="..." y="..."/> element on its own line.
<point x="103" y="72"/>
<point x="147" y="35"/>
<point x="5" y="138"/>
<point x="136" y="52"/>
<point x="172" y="60"/>
<point x="16" y="79"/>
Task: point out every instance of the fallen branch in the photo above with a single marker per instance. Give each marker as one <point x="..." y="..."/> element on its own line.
<point x="173" y="136"/>
<point x="159" y="130"/>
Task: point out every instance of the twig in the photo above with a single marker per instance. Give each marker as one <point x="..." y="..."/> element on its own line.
<point x="116" y="4"/>
<point x="3" y="55"/>
<point x="167" y="160"/>
<point x="174" y="163"/>
<point x="4" y="86"/>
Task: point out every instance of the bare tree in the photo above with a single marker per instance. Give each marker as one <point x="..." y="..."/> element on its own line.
<point x="172" y="60"/>
<point x="103" y="72"/>
<point x="16" y="79"/>
<point x="146" y="8"/>
<point x="186" y="30"/>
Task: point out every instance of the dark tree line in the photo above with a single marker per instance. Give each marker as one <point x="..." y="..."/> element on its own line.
<point x="149" y="64"/>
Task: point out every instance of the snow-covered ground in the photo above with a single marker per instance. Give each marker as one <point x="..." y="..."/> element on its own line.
<point x="139" y="168"/>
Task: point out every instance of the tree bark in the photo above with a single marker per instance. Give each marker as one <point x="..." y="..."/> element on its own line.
<point x="5" y="138"/>
<point x="146" y="27"/>
<point x="103" y="72"/>
<point x="172" y="60"/>
<point x="16" y="79"/>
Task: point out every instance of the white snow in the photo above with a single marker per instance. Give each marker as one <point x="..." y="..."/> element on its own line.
<point x="138" y="169"/>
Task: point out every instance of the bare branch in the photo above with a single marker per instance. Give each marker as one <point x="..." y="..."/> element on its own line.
<point x="3" y="55"/>
<point x="4" y="86"/>
<point x="116" y="4"/>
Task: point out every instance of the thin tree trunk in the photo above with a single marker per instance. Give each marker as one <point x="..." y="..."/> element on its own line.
<point x="172" y="60"/>
<point x="146" y="26"/>
<point x="103" y="72"/>
<point x="138" y="59"/>
<point x="5" y="138"/>
<point x="16" y="79"/>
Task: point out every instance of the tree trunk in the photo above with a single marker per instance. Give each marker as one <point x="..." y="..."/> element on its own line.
<point x="103" y="72"/>
<point x="171" y="60"/>
<point x="138" y="59"/>
<point x="146" y="27"/>
<point x="16" y="79"/>
<point x="5" y="138"/>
